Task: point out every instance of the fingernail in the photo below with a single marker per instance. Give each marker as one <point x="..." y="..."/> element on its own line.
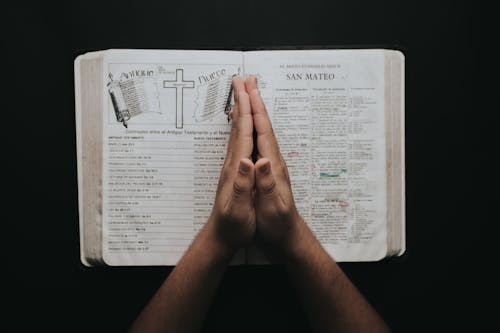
<point x="244" y="168"/>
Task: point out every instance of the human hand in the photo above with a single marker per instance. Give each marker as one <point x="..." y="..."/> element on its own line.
<point x="277" y="217"/>
<point x="233" y="214"/>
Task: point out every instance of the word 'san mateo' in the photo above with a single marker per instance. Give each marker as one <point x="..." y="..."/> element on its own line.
<point x="310" y="76"/>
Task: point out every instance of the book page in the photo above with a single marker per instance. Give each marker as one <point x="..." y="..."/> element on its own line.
<point x="327" y="111"/>
<point x="165" y="130"/>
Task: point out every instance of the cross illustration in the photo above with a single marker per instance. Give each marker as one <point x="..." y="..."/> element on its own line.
<point x="179" y="84"/>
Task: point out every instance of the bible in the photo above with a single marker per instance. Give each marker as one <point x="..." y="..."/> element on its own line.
<point x="152" y="128"/>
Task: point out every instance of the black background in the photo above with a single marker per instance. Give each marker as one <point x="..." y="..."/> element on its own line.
<point x="445" y="278"/>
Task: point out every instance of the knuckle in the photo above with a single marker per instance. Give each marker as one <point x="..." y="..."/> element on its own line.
<point x="284" y="210"/>
<point x="235" y="130"/>
<point x="243" y="96"/>
<point x="238" y="189"/>
<point x="269" y="187"/>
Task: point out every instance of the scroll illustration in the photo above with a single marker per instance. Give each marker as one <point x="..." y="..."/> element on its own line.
<point x="213" y="98"/>
<point x="134" y="93"/>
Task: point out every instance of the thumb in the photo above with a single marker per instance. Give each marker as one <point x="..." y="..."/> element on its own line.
<point x="265" y="182"/>
<point x="244" y="182"/>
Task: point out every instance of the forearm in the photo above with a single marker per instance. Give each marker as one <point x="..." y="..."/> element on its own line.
<point x="181" y="303"/>
<point x="332" y="302"/>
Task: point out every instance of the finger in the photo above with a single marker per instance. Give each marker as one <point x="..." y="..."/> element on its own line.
<point x="241" y="141"/>
<point x="266" y="141"/>
<point x="237" y="84"/>
<point x="243" y="185"/>
<point x="232" y="134"/>
<point x="251" y="83"/>
<point x="243" y="114"/>
<point x="265" y="183"/>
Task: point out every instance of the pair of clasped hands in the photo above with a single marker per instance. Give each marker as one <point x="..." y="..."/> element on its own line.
<point x="253" y="200"/>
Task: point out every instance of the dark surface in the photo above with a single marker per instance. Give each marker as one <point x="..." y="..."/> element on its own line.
<point x="444" y="280"/>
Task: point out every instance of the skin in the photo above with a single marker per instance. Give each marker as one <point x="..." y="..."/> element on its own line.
<point x="332" y="302"/>
<point x="255" y="201"/>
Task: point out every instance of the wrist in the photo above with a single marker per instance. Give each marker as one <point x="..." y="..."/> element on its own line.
<point x="299" y="242"/>
<point x="220" y="246"/>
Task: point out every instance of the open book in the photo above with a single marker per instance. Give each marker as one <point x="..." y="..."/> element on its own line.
<point x="152" y="129"/>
